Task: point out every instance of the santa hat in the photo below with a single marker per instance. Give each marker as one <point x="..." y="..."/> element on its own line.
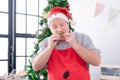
<point x="59" y="12"/>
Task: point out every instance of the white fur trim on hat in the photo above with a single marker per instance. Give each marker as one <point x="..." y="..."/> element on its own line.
<point x="57" y="15"/>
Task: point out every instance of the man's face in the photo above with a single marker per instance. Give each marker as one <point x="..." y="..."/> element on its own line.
<point x="59" y="27"/>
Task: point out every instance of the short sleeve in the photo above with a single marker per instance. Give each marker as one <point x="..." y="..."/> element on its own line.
<point x="43" y="45"/>
<point x="86" y="41"/>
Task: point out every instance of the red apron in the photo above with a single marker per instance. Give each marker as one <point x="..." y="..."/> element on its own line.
<point x="67" y="65"/>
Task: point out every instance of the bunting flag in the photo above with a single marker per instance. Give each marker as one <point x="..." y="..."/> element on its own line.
<point x="113" y="13"/>
<point x="99" y="8"/>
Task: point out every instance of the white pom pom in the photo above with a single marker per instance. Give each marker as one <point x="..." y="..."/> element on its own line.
<point x="73" y="23"/>
<point x="42" y="77"/>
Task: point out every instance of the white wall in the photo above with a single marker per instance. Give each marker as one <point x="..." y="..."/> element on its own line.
<point x="104" y="34"/>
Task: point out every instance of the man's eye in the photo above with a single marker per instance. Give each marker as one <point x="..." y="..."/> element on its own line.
<point x="54" y="27"/>
<point x="61" y="24"/>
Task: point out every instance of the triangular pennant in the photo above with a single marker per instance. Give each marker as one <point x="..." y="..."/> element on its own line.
<point x="99" y="8"/>
<point x="113" y="13"/>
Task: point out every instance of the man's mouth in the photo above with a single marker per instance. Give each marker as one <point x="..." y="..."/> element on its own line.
<point x="61" y="33"/>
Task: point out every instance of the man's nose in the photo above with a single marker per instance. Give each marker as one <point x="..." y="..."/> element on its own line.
<point x="59" y="29"/>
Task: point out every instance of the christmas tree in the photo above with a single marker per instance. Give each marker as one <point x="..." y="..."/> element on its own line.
<point x="42" y="33"/>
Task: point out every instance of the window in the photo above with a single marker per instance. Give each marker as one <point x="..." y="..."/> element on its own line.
<point x="19" y="20"/>
<point x="3" y="55"/>
<point x="27" y="23"/>
<point x="3" y="36"/>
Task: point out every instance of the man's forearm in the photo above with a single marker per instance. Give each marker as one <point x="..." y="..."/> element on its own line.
<point x="41" y="60"/>
<point x="88" y="56"/>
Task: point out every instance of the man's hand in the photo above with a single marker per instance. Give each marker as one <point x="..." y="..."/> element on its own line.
<point x="70" y="38"/>
<point x="53" y="40"/>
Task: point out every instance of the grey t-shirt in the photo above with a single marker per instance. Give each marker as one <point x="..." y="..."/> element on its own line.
<point x="81" y="38"/>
